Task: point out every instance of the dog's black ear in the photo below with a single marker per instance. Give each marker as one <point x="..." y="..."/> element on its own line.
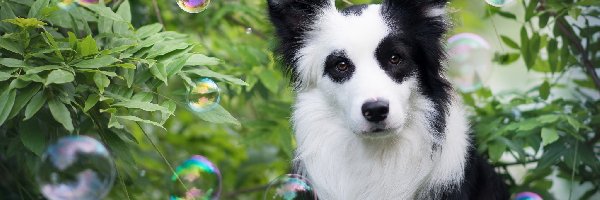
<point x="426" y="17"/>
<point x="292" y="17"/>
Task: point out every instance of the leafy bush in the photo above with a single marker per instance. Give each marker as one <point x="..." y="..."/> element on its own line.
<point x="86" y="70"/>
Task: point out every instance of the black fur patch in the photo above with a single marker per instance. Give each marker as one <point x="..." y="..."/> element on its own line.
<point x="393" y="45"/>
<point x="423" y="35"/>
<point x="354" y="10"/>
<point x="330" y="67"/>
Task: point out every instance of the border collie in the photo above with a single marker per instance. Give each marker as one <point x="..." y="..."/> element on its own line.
<point x="375" y="117"/>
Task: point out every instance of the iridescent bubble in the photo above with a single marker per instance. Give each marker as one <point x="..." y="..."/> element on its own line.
<point x="470" y="59"/>
<point x="290" y="187"/>
<point x="248" y="30"/>
<point x="193" y="6"/>
<point x="76" y="168"/>
<point x="498" y="3"/>
<point x="528" y="196"/>
<point x="66" y="4"/>
<point x="196" y="178"/>
<point x="204" y="96"/>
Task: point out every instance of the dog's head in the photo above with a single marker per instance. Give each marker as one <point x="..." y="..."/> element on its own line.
<point x="373" y="63"/>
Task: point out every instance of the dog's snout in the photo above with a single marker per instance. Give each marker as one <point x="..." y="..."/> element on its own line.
<point x="375" y="111"/>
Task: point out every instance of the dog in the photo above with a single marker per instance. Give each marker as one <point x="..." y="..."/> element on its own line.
<point x="375" y="117"/>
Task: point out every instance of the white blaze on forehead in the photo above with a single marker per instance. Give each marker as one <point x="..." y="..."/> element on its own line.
<point x="358" y="36"/>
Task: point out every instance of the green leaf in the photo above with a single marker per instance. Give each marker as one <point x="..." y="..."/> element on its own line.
<point x="147" y="106"/>
<point x="211" y="74"/>
<point x="495" y="151"/>
<point x="128" y="75"/>
<point x="87" y="46"/>
<point x="549" y="136"/>
<point x="105" y="12"/>
<point x="11" y="62"/>
<point x="506" y="59"/>
<point x="545" y="90"/>
<point x="99" y="62"/>
<point x="23" y="98"/>
<point x="159" y="71"/>
<point x="269" y="80"/>
<point x="33" y="137"/>
<point x="59" y="77"/>
<point x="217" y="115"/>
<point x="201" y="60"/>
<point x="5" y="76"/>
<point x="36" y="103"/>
<point x="36" y="7"/>
<point x="113" y="122"/>
<point x="101" y="81"/>
<point x="26" y="22"/>
<point x="11" y="46"/>
<point x="525" y="52"/>
<point x="148" y="30"/>
<point x="137" y="119"/>
<point x="7" y="100"/>
<point x="509" y="42"/>
<point x="163" y="48"/>
<point x="61" y="114"/>
<point x="543" y="20"/>
<point x="91" y="102"/>
<point x="39" y="69"/>
<point x="125" y="11"/>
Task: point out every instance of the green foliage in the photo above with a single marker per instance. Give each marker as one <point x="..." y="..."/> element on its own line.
<point x="554" y="125"/>
<point x="87" y="70"/>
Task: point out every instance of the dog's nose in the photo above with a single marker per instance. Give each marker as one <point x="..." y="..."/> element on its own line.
<point x="375" y="111"/>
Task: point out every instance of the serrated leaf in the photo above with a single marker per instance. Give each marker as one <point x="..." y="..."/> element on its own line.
<point x="33" y="137"/>
<point x="137" y="119"/>
<point x="91" y="102"/>
<point x="148" y="30"/>
<point x="7" y="100"/>
<point x="87" y="46"/>
<point x="59" y="77"/>
<point x="147" y="106"/>
<point x="34" y="105"/>
<point x="549" y="136"/>
<point x="61" y="114"/>
<point x="545" y="90"/>
<point x="36" y="7"/>
<point x="99" y="62"/>
<point x="101" y="81"/>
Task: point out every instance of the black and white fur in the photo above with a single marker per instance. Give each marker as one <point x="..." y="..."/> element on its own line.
<point x="391" y="56"/>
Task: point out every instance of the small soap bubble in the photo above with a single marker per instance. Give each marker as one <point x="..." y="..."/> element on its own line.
<point x="67" y="4"/>
<point x="204" y="96"/>
<point x="193" y="6"/>
<point x="498" y="3"/>
<point x="201" y="178"/>
<point x="528" y="196"/>
<point x="470" y="59"/>
<point x="248" y="30"/>
<point x="76" y="168"/>
<point x="290" y="187"/>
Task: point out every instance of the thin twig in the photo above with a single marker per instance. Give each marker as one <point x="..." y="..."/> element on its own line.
<point x="157" y="12"/>
<point x="162" y="155"/>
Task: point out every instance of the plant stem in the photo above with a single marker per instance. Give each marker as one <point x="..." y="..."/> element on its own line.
<point x="158" y="14"/>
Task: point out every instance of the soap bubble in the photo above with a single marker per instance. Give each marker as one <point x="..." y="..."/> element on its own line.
<point x="204" y="96"/>
<point x="470" y="59"/>
<point x="248" y="30"/>
<point x="66" y="4"/>
<point x="193" y="6"/>
<point x="498" y="3"/>
<point x="290" y="187"/>
<point x="528" y="196"/>
<point x="76" y="168"/>
<point x="201" y="178"/>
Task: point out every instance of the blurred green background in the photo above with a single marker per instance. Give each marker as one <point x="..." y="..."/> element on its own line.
<point x="533" y="153"/>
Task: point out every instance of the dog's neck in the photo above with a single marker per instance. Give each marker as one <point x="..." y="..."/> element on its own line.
<point x="342" y="165"/>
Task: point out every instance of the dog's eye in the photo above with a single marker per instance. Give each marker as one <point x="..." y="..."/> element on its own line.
<point x="395" y="59"/>
<point x="341" y="66"/>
